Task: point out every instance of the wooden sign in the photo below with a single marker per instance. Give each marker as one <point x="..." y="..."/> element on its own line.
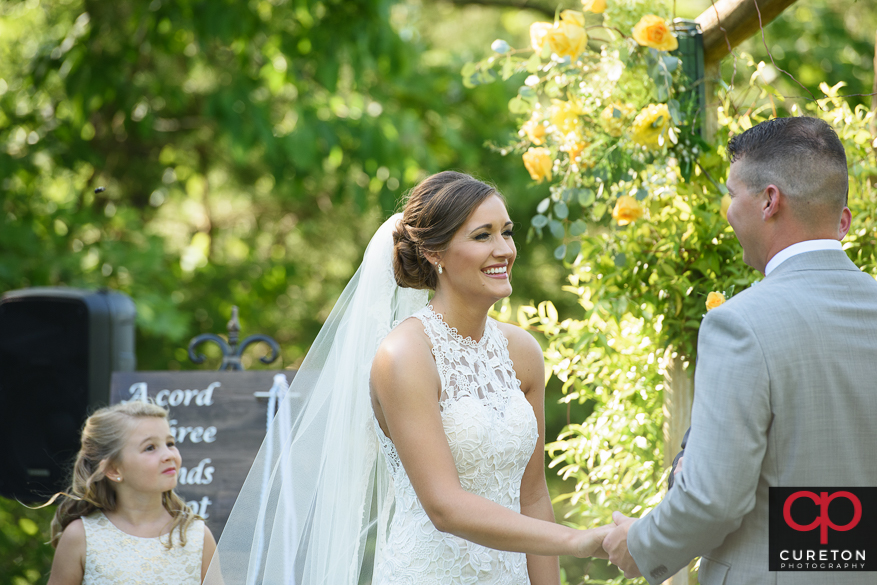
<point x="218" y="422"/>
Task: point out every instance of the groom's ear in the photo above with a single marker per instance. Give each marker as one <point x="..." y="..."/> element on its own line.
<point x="846" y="219"/>
<point x="773" y="200"/>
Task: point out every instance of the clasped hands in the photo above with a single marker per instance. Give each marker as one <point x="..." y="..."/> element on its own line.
<point x="615" y="539"/>
<point x="615" y="545"/>
<point x="610" y="542"/>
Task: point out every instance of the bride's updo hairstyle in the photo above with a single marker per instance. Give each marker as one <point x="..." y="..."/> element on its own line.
<point x="436" y="208"/>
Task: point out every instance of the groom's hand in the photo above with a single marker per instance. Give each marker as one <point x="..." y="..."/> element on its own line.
<point x="616" y="545"/>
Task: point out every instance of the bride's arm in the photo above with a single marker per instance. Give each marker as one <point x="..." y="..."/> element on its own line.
<point x="529" y="365"/>
<point x="406" y="388"/>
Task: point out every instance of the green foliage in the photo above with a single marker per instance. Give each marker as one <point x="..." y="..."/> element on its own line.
<point x="641" y="311"/>
<point x="815" y="41"/>
<point x="234" y="139"/>
<point x="25" y="556"/>
<point x="639" y="224"/>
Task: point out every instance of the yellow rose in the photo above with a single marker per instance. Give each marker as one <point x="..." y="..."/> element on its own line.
<point x="573" y="16"/>
<point x="538" y="162"/>
<point x="567" y="39"/>
<point x="627" y="209"/>
<point x="538" y="30"/>
<point x="726" y="203"/>
<point x="613" y="125"/>
<point x="713" y="300"/>
<point x="652" y="31"/>
<point x="565" y="116"/>
<point x="595" y="6"/>
<point x="650" y="124"/>
<point x="534" y="130"/>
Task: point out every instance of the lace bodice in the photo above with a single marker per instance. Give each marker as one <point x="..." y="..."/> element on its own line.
<point x="113" y="557"/>
<point x="491" y="431"/>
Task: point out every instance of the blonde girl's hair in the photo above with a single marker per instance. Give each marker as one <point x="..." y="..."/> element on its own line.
<point x="103" y="437"/>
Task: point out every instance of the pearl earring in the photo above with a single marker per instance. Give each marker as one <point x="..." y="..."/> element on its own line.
<point x="439" y="267"/>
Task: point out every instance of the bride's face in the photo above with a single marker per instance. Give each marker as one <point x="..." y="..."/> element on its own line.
<point x="478" y="260"/>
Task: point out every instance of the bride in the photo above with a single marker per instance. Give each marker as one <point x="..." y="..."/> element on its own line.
<point x="423" y="441"/>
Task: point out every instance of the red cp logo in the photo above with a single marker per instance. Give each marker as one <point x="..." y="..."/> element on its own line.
<point x="822" y="521"/>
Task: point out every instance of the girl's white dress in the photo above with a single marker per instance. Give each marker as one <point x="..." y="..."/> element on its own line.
<point x="491" y="430"/>
<point x="113" y="557"/>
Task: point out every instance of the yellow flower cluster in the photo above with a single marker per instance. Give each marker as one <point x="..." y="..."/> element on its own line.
<point x="538" y="162"/>
<point x="564" y="128"/>
<point x="652" y="31"/>
<point x="538" y="30"/>
<point x="534" y="129"/>
<point x="565" y="116"/>
<point x="566" y="37"/>
<point x="575" y="147"/>
<point x="613" y="123"/>
<point x="564" y="119"/>
<point x="627" y="210"/>
<point x="713" y="300"/>
<point x="595" y="6"/>
<point x="650" y="125"/>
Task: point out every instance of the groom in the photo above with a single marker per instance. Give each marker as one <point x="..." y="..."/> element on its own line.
<point x="786" y="382"/>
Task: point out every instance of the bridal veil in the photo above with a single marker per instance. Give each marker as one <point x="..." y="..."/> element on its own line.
<point x="318" y="486"/>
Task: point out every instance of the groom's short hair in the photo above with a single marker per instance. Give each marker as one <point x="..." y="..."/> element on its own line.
<point x="802" y="156"/>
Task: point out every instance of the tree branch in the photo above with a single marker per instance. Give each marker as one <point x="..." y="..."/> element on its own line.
<point x="727" y="23"/>
<point x="542" y="8"/>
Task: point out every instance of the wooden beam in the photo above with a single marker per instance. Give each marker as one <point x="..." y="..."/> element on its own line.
<point x="739" y="19"/>
<point x="678" y="398"/>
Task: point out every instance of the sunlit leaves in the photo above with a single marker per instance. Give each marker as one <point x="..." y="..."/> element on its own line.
<point x="232" y="139"/>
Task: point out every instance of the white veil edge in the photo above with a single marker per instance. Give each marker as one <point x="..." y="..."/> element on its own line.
<point x="327" y="485"/>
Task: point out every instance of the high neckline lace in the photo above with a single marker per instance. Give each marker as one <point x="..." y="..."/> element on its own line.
<point x="467" y="341"/>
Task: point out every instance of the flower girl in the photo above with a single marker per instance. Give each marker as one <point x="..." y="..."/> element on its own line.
<point x="120" y="521"/>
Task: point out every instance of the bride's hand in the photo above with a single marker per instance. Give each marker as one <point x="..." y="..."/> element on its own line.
<point x="590" y="542"/>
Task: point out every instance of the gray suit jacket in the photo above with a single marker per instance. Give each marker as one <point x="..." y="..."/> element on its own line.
<point x="786" y="396"/>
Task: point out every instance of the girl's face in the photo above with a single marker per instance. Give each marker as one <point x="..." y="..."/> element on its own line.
<point x="478" y="260"/>
<point x="149" y="461"/>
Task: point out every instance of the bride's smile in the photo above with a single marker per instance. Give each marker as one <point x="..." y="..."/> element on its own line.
<point x="477" y="264"/>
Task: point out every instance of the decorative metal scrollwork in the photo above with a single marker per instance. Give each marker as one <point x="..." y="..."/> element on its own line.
<point x="231" y="351"/>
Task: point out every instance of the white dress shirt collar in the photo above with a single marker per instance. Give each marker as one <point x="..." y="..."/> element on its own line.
<point x="800" y="248"/>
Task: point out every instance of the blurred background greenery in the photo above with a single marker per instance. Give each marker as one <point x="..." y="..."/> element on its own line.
<point x="250" y="148"/>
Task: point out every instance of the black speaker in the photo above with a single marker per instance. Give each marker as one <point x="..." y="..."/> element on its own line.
<point x="58" y="349"/>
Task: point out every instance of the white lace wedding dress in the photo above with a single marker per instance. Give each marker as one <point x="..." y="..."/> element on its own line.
<point x="491" y="430"/>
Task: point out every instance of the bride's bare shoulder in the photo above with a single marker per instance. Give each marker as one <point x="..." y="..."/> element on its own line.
<point x="521" y="342"/>
<point x="526" y="355"/>
<point x="406" y="347"/>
